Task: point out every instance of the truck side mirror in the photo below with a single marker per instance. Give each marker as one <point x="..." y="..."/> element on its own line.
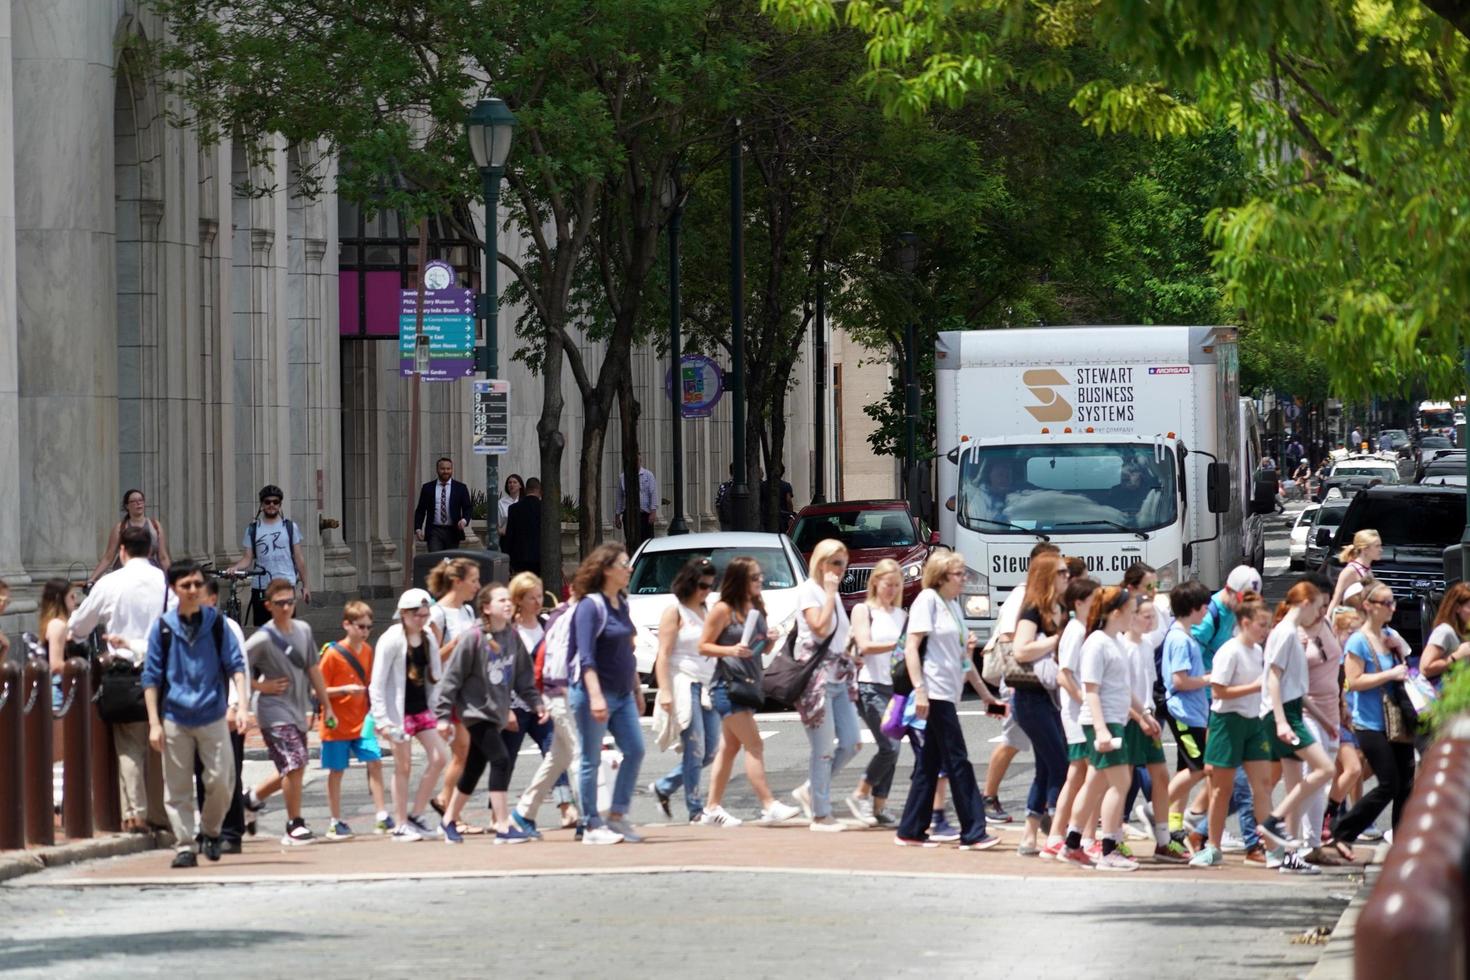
<point x="1217" y="487"/>
<point x="1324" y="538"/>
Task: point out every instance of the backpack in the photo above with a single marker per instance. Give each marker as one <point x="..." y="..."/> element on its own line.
<point x="556" y="653"/>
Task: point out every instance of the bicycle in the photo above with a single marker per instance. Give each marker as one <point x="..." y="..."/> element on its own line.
<point x="231" y="607"/>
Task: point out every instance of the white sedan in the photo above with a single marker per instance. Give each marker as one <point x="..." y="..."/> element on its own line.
<point x="658" y="560"/>
<point x="1299" y="532"/>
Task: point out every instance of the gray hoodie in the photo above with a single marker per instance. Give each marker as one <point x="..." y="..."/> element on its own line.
<point x="477" y="681"/>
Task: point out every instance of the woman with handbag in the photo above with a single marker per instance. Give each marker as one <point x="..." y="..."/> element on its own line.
<point x="828" y="705"/>
<point x="684" y="678"/>
<point x="736" y="691"/>
<point x="1385" y="735"/>
<point x="877" y="628"/>
<point x="1038" y="632"/>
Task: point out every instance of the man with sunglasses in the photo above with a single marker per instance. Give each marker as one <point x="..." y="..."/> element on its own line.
<point x="272" y="551"/>
<point x="190" y="660"/>
<point x="285" y="650"/>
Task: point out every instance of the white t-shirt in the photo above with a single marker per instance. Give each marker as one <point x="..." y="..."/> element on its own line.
<point x="1141" y="671"/>
<point x="452" y="622"/>
<point x="530" y="636"/>
<point x="1284" y="649"/>
<point x="685" y="658"/>
<point x="884" y="626"/>
<point x="1238" y="663"/>
<point x="1010" y="611"/>
<point x="944" y="655"/>
<point x="233" y="698"/>
<point x="273" y="550"/>
<point x="1069" y="658"/>
<point x="1105" y="664"/>
<point x="811" y="595"/>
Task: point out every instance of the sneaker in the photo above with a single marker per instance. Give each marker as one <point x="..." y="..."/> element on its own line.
<point x="718" y="816"/>
<point x="625" y="830"/>
<point x="1256" y="856"/>
<point x="1292" y="864"/>
<point x="210" y="848"/>
<point x="1052" y="851"/>
<point x="601" y="835"/>
<point x="1027" y="851"/>
<point x="1075" y="855"/>
<point x="1131" y="832"/>
<point x="425" y="831"/>
<point x="1093" y="850"/>
<point x="1196" y="841"/>
<point x="861" y="807"/>
<point x="827" y="825"/>
<point x="911" y="842"/>
<point x="778" y="812"/>
<point x="985" y="843"/>
<point x="1124" y="850"/>
<point x="451" y="832"/>
<point x="942" y="830"/>
<point x="1171" y="853"/>
<point x="514" y="835"/>
<point x="1274" y="830"/>
<point x="405" y="834"/>
<point x="1275" y="858"/>
<point x="184" y="859"/>
<point x="254" y="803"/>
<point x="338" y="830"/>
<point x="1115" y="862"/>
<point x="662" y="797"/>
<point x="1209" y="857"/>
<point x="883" y="818"/>
<point x="1143" y="819"/>
<point x="384" y="825"/>
<point x="1230" y="844"/>
<point x="1325" y="858"/>
<point x="297" y="832"/>
<point x="525" y="825"/>
<point x="803" y="796"/>
<point x="994" y="812"/>
<point x="229" y="845"/>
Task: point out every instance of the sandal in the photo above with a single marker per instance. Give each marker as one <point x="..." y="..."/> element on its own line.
<point x="468" y="829"/>
<point x="1345" y="849"/>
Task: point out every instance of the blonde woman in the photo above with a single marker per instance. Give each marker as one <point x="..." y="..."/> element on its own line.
<point x="453" y="583"/>
<point x="828" y="706"/>
<point x="556" y="736"/>
<point x="1367" y="547"/>
<point x="877" y="628"/>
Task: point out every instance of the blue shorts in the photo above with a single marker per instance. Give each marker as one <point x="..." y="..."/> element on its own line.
<point x="719" y="699"/>
<point x="335" y="755"/>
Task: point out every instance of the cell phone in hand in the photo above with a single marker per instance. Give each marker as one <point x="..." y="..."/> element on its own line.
<point x="997" y="709"/>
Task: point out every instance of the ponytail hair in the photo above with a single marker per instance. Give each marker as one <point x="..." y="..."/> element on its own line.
<point x="443" y="576"/>
<point x="1251" y="605"/>
<point x="1109" y="599"/>
<point x="1362" y="541"/>
<point x="1299" y="595"/>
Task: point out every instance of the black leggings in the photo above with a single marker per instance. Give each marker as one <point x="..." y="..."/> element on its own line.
<point x="485" y="747"/>
<point x="1393" y="765"/>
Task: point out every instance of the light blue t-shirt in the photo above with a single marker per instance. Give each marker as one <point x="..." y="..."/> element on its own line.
<point x="1367" y="706"/>
<point x="273" y="550"/>
<point x="1182" y="652"/>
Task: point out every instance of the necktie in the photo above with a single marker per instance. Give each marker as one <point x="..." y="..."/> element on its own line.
<point x="444" y="504"/>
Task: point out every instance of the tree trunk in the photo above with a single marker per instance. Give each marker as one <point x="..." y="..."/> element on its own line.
<point x="552" y="443"/>
<point x="594" y="436"/>
<point x="628" y="412"/>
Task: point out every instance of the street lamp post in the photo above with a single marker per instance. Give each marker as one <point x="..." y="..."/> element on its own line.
<point x="819" y="376"/>
<point x="739" y="486"/>
<point x="490" y="128"/>
<point x="673" y="200"/>
<point x="906" y="258"/>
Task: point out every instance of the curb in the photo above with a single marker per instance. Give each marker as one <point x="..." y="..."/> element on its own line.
<point x="1336" y="961"/>
<point x="19" y="863"/>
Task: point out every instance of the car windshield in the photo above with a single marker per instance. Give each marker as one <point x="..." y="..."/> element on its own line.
<point x="1435" y="442"/>
<point x="1431" y="520"/>
<point x="857" y="528"/>
<point x="1093" y="488"/>
<point x="1385" y="473"/>
<point x="654" y="571"/>
<point x="1330" y="516"/>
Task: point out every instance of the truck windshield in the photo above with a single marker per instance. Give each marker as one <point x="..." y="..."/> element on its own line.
<point x="1422" y="521"/>
<point x="1094" y="488"/>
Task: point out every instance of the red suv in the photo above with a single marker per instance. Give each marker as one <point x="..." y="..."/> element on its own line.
<point x="872" y="530"/>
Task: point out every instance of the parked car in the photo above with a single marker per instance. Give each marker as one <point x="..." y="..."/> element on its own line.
<point x="658" y="560"/>
<point x="1447" y="470"/>
<point x="1299" y="532"/>
<point x="1417" y="525"/>
<point x="1327" y="518"/>
<point x="872" y="530"/>
<point x="1356" y="472"/>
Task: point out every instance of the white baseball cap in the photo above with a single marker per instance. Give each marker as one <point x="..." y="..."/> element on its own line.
<point x="1243" y="578"/>
<point x="413" y="599"/>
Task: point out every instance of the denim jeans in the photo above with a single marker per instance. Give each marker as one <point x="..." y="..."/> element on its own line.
<point x="1242" y="805"/>
<point x="1142" y="783"/>
<point x="622" y="721"/>
<point x="1042" y="723"/>
<point x="698" y="742"/>
<point x="840" y="718"/>
<point x="944" y="750"/>
<point x="872" y="700"/>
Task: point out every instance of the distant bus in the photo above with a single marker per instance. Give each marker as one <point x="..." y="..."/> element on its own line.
<point x="1437" y="418"/>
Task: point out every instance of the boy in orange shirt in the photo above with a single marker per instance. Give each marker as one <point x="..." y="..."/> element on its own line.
<point x="346" y="665"/>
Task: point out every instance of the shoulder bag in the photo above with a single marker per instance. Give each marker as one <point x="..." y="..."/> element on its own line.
<point x="1400" y="720"/>
<point x="786" y="678"/>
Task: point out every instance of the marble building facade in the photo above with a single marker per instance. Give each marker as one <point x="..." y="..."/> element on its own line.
<point x="160" y="330"/>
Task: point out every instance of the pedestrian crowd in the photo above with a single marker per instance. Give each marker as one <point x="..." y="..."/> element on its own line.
<point x="1314" y="695"/>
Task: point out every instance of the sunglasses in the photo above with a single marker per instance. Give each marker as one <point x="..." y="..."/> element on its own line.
<point x="625" y="563"/>
<point x="705" y="586"/>
<point x="1383" y="602"/>
<point x="270" y="503"/>
<point x="283" y="603"/>
<point x="363" y="626"/>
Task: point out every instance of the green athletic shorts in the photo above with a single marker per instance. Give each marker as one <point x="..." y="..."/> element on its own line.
<point x="1142" y="750"/>
<point x="1234" y="739"/>
<point x="1285" y="750"/>
<point x="1117" y="757"/>
<point x="1078" y="752"/>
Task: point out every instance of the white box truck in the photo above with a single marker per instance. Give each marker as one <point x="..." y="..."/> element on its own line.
<point x="1116" y="443"/>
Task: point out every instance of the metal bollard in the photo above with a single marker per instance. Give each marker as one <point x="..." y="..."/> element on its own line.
<point x="76" y="776"/>
<point x="12" y="782"/>
<point x="40" y="801"/>
<point x="106" y="796"/>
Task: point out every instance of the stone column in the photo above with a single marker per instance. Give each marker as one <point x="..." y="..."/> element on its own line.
<point x="62" y="67"/>
<point x="338" y="576"/>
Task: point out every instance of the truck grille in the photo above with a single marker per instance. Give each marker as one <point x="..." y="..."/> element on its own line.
<point x="1406" y="583"/>
<point x="856" y="580"/>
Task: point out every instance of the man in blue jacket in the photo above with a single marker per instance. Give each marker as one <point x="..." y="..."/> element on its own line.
<point x="191" y="658"/>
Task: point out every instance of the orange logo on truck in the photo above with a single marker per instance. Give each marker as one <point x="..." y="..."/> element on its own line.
<point x="1052" y="406"/>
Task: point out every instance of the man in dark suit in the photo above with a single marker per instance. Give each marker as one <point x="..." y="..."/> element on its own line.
<point x="443" y="511"/>
<point x="522" y="540"/>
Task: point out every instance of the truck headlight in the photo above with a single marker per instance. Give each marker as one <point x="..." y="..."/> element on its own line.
<point x="1169" y="576"/>
<point x="975" y="595"/>
<point x="977" y="607"/>
<point x="913" y="571"/>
